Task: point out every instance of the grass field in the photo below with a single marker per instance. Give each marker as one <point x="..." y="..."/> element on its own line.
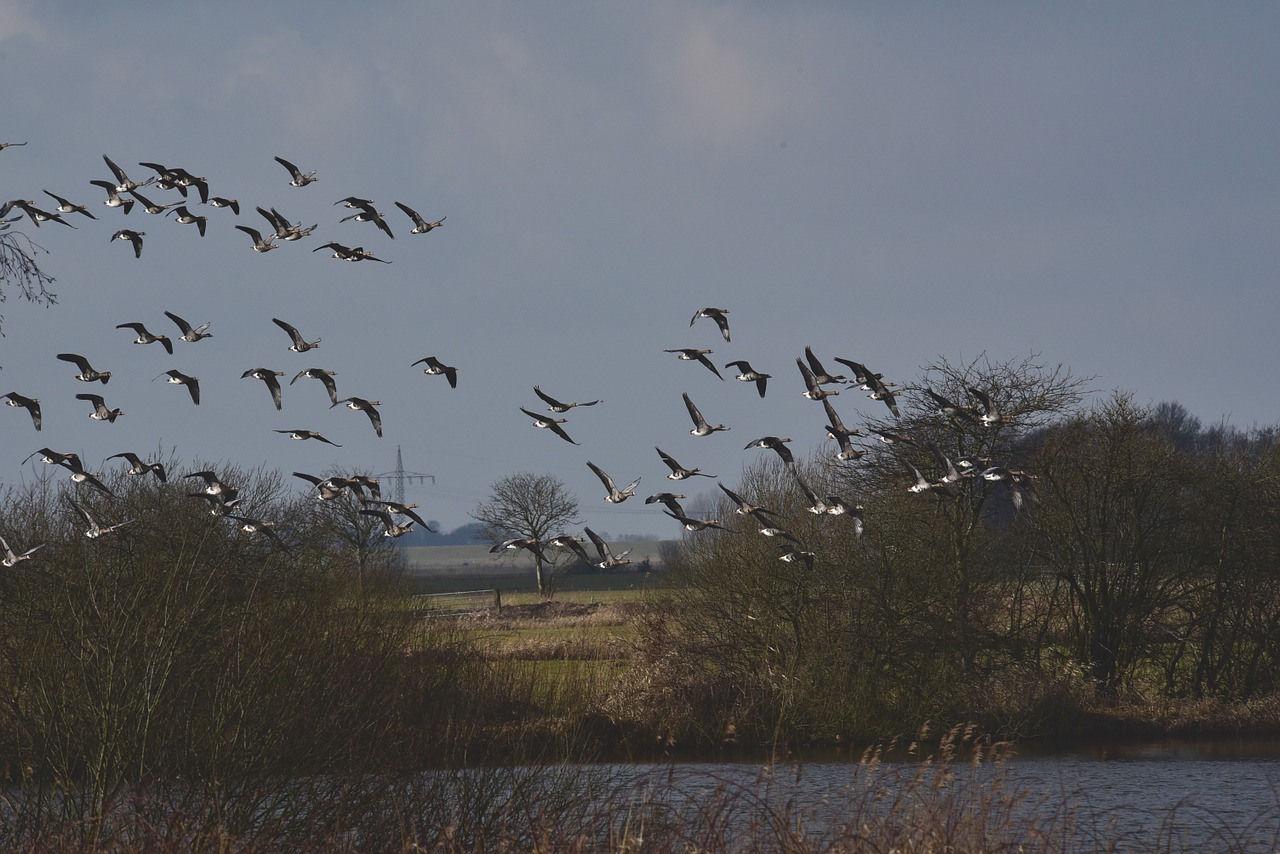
<point x="520" y="588"/>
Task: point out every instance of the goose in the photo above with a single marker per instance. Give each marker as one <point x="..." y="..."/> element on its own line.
<point x="184" y="179"/>
<point x="670" y="500"/>
<point x="921" y="484"/>
<point x="402" y="509"/>
<point x="138" y="467"/>
<point x="90" y="478"/>
<point x="691" y="524"/>
<point x="836" y="430"/>
<point x="190" y="333"/>
<point x="48" y="456"/>
<point x="948" y="408"/>
<point x="769" y="530"/>
<point x="325" y="377"/>
<point x="123" y="184"/>
<point x="353" y="202"/>
<point x="816" y="504"/>
<point x="568" y="541"/>
<point x="11" y="559"/>
<point x="145" y="337"/>
<point x="268" y="376"/>
<point x="700" y="425"/>
<point x="862" y="377"/>
<point x="361" y="482"/>
<point x="794" y="555"/>
<point x="260" y="244"/>
<point x="300" y="344"/>
<point x="559" y="406"/>
<point x="37" y="216"/>
<point x="390" y="527"/>
<point x="100" y="410"/>
<point x="744" y="508"/>
<point x="890" y="438"/>
<point x="615" y="496"/>
<point x="259" y="526"/>
<point x="31" y="404"/>
<point x="95" y="530"/>
<point x="114" y="199"/>
<point x="748" y="374"/>
<point x="366" y="213"/>
<point x="950" y="474"/>
<point x="284" y="230"/>
<point x="65" y="206"/>
<point x="179" y="378"/>
<point x="150" y="206"/>
<point x="349" y="253"/>
<point x="420" y="225"/>
<point x="218" y="506"/>
<point x="990" y="416"/>
<point x="4" y="145"/>
<point x="813" y="390"/>
<point x="436" y="367"/>
<point x="186" y="217"/>
<point x="820" y="375"/>
<point x="299" y="178"/>
<point x="302" y="435"/>
<point x="134" y="237"/>
<point x="716" y="314"/>
<point x="552" y="424"/>
<point x="688" y="354"/>
<point x="608" y="560"/>
<point x="328" y="488"/>
<point x="530" y="544"/>
<point x="214" y="486"/>
<point x="1022" y="487"/>
<point x="359" y="404"/>
<point x="881" y="391"/>
<point x="222" y="202"/>
<point x="166" y="178"/>
<point x="679" y="472"/>
<point x="776" y="444"/>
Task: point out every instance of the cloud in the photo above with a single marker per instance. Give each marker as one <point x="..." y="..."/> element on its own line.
<point x="14" y="22"/>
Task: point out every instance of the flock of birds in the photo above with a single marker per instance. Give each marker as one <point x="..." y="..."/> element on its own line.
<point x="223" y="499"/>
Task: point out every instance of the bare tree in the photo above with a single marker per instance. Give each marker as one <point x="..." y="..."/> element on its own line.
<point x="533" y="507"/>
<point x="18" y="268"/>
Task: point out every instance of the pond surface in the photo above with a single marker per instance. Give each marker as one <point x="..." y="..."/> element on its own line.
<point x="1168" y="796"/>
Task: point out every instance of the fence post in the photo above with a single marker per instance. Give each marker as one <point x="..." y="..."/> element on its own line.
<point x="497" y="600"/>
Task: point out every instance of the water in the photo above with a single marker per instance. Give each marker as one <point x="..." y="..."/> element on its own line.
<point x="1218" y="796"/>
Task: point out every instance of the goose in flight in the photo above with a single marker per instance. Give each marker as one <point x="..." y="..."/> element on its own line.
<point x="4" y="145"/>
<point x="114" y="199"/>
<point x="95" y="530"/>
<point x="90" y="478"/>
<point x="222" y="202"/>
<point x="568" y="541"/>
<point x="302" y="435"/>
<point x="820" y="375"/>
<point x="214" y="486"/>
<point x="700" y="425"/>
<point x="435" y="367"/>
<point x="36" y="215"/>
<point x="123" y="184"/>
<point x="893" y="438"/>
<point x="813" y="390"/>
<point x="748" y="374"/>
<point x="691" y="524"/>
<point x="405" y="510"/>
<point x="134" y="237"/>
<point x="11" y="559"/>
<point x="836" y="430"/>
<point x="31" y="404"/>
<point x="420" y="225"/>
<point x="218" y="506"/>
<point x="797" y="555"/>
<point x="608" y="560"/>
<point x="325" y="377"/>
<point x="552" y="424"/>
<point x="179" y="378"/>
<point x="559" y="406"/>
<point x="299" y="178"/>
<point x="359" y="404"/>
<point x="688" y="354"/>
<point x="100" y="410"/>
<point x="390" y="527"/>
<point x="190" y="333"/>
<point x="145" y="337"/>
<point x="259" y="526"/>
<point x="716" y="314"/>
<point x="350" y="253"/>
<point x="260" y="243"/>
<point x="744" y="508"/>
<point x="365" y="212"/>
<point x="186" y="217"/>
<point x="990" y="416"/>
<point x="71" y="462"/>
<point x="816" y="504"/>
<point x="948" y="408"/>
<point x="615" y="496"/>
<point x="777" y="445"/>
<point x="138" y="467"/>
<point x="65" y="206"/>
<point x="1022" y="486"/>
<point x="268" y="376"/>
<point x="150" y="206"/>
<point x="300" y="344"/>
<point x="530" y="544"/>
<point x="670" y="500"/>
<point x="327" y="488"/>
<point x="679" y="472"/>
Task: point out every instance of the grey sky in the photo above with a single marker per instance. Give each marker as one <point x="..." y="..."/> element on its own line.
<point x="885" y="182"/>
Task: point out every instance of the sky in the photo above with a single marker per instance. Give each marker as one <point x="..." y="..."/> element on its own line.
<point x="1095" y="183"/>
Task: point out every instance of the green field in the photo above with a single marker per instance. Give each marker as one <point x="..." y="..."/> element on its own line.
<point x="477" y="560"/>
<point x="520" y="588"/>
